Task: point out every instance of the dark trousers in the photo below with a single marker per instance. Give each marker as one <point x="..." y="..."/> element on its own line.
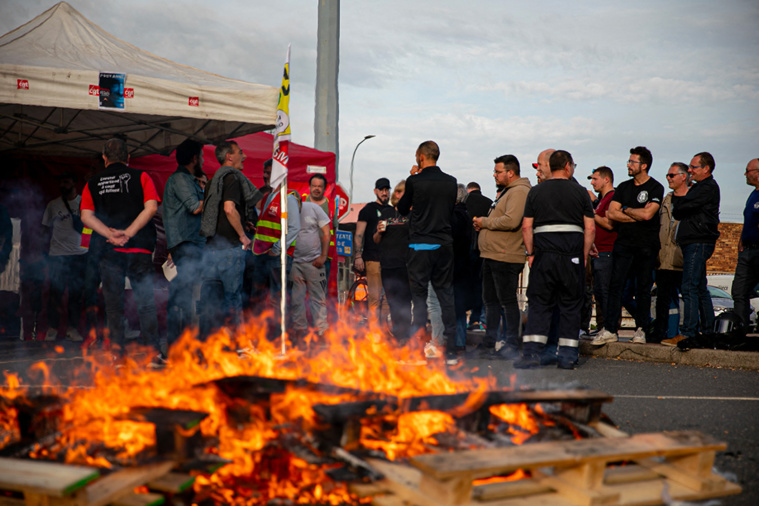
<point x="138" y="267"/>
<point x="746" y="279"/>
<point x="667" y="296"/>
<point x="697" y="303"/>
<point x="188" y="257"/>
<point x="477" y="304"/>
<point x="557" y="282"/>
<point x="639" y="263"/>
<point x="91" y="283"/>
<point x="601" y="280"/>
<point x="436" y="267"/>
<point x="398" y="294"/>
<point x="500" y="281"/>
<point x="66" y="272"/>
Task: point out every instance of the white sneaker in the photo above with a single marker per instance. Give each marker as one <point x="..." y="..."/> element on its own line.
<point x="499" y="345"/>
<point x="51" y="335"/>
<point x="73" y="335"/>
<point x="604" y="337"/>
<point x="431" y="351"/>
<point x="639" y="337"/>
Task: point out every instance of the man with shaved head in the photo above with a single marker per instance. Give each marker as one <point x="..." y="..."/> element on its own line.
<point x="747" y="268"/>
<point x="543" y="169"/>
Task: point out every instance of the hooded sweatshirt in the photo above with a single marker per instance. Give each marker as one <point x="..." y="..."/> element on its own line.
<point x="501" y="234"/>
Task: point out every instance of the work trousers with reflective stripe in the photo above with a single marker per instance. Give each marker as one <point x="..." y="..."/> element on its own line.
<point x="556" y="281"/>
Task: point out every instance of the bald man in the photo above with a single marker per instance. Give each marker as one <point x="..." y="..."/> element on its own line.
<point x="542" y="168"/>
<point x="747" y="268"/>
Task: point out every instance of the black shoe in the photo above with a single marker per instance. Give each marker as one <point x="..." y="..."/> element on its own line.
<point x="567" y="364"/>
<point x="452" y="358"/>
<point x="548" y="359"/>
<point x="506" y="353"/>
<point x="527" y="362"/>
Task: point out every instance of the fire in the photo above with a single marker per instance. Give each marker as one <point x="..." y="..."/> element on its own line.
<point x="96" y="427"/>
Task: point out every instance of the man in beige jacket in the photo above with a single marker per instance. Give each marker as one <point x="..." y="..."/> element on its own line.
<point x="502" y="249"/>
<point x="669" y="273"/>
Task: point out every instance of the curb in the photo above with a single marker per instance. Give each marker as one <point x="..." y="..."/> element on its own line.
<point x="747" y="360"/>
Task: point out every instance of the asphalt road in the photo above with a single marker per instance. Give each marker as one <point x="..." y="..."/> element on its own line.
<point x="648" y="397"/>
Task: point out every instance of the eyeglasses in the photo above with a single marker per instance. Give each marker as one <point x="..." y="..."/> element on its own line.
<point x="632" y="161"/>
<point x="696" y="166"/>
<point x="670" y="176"/>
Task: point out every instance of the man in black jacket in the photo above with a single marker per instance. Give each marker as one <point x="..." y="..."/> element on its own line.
<point x="477" y="205"/>
<point x="429" y="200"/>
<point x="698" y="213"/>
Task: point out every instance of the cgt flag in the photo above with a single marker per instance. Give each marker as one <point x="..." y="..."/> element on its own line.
<point x="282" y="130"/>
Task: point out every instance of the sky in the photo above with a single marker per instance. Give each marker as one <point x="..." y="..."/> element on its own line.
<point x="484" y="78"/>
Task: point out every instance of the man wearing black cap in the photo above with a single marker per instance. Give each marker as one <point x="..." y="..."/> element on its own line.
<point x="367" y="251"/>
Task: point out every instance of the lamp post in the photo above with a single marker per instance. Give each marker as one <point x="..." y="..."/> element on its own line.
<point x="353" y="158"/>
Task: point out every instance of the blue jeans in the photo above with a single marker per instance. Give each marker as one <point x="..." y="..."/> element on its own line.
<point x="696" y="298"/>
<point x="227" y="266"/>
<point x="601" y="281"/>
<point x="188" y="257"/>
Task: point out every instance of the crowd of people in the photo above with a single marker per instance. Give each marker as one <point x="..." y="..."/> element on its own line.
<point x="439" y="251"/>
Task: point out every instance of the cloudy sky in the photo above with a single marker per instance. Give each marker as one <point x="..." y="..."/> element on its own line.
<point x="484" y="78"/>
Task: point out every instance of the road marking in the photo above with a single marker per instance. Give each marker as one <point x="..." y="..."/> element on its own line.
<point x="687" y="397"/>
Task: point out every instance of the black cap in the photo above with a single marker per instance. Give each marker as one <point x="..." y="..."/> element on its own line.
<point x="382" y="183"/>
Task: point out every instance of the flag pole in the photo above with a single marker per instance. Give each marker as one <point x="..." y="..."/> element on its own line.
<point x="283" y="263"/>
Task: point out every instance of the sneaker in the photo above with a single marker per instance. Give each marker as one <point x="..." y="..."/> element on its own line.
<point x="583" y="334"/>
<point x="604" y="337"/>
<point x="73" y="335"/>
<point x="639" y="337"/>
<point x="452" y="358"/>
<point x="51" y="335"/>
<point x="674" y="340"/>
<point x="527" y="361"/>
<point x="431" y="351"/>
<point x="159" y="362"/>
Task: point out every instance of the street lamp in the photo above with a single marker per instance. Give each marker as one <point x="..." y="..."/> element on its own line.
<point x="354" y="158"/>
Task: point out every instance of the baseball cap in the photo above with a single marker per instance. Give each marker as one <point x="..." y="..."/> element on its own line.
<point x="382" y="183"/>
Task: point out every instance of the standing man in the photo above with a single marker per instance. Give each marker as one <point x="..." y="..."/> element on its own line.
<point x="367" y="251"/>
<point x="118" y="204"/>
<point x="747" y="268"/>
<point x="429" y="201"/>
<point x="317" y="186"/>
<point x="698" y="213"/>
<point x="542" y="168"/>
<point x="308" y="273"/>
<point x="502" y="248"/>
<point x="635" y="211"/>
<point x="602" y="181"/>
<point x="477" y="205"/>
<point x="669" y="274"/>
<point x="182" y="208"/>
<point x="558" y="231"/>
<point x="229" y="207"/>
<point x="66" y="259"/>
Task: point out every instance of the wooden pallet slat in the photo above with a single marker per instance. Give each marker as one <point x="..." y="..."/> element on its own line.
<point x="46" y="478"/>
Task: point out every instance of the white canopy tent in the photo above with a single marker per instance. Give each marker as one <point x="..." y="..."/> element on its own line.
<point x="51" y="72"/>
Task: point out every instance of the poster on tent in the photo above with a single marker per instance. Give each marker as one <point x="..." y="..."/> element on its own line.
<point x="112" y="91"/>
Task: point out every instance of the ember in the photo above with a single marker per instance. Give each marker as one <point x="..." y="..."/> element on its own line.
<point x="258" y="427"/>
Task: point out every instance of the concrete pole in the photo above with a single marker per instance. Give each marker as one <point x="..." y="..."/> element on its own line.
<point x="327" y="64"/>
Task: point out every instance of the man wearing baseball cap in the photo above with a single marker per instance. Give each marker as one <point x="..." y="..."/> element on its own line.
<point x="367" y="251"/>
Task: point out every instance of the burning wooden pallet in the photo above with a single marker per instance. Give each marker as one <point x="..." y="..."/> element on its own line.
<point x="658" y="467"/>
<point x="39" y="483"/>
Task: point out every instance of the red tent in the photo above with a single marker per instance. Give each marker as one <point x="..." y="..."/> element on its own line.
<point x="304" y="162"/>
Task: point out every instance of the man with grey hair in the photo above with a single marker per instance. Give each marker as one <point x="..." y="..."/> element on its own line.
<point x="669" y="274"/>
<point x="118" y="204"/>
<point x="228" y="209"/>
<point x="542" y="168"/>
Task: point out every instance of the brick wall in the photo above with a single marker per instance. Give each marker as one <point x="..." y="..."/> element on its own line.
<point x="726" y="251"/>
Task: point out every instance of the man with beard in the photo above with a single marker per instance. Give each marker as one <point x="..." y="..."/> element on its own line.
<point x="602" y="181"/>
<point x="367" y="251"/>
<point x="635" y="211"/>
<point x="66" y="260"/>
<point x="182" y="208"/>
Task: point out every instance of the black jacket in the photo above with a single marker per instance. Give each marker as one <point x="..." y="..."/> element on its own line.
<point x="428" y="200"/>
<point x="698" y="213"/>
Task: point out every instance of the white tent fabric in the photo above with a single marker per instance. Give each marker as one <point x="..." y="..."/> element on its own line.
<point x="50" y="71"/>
